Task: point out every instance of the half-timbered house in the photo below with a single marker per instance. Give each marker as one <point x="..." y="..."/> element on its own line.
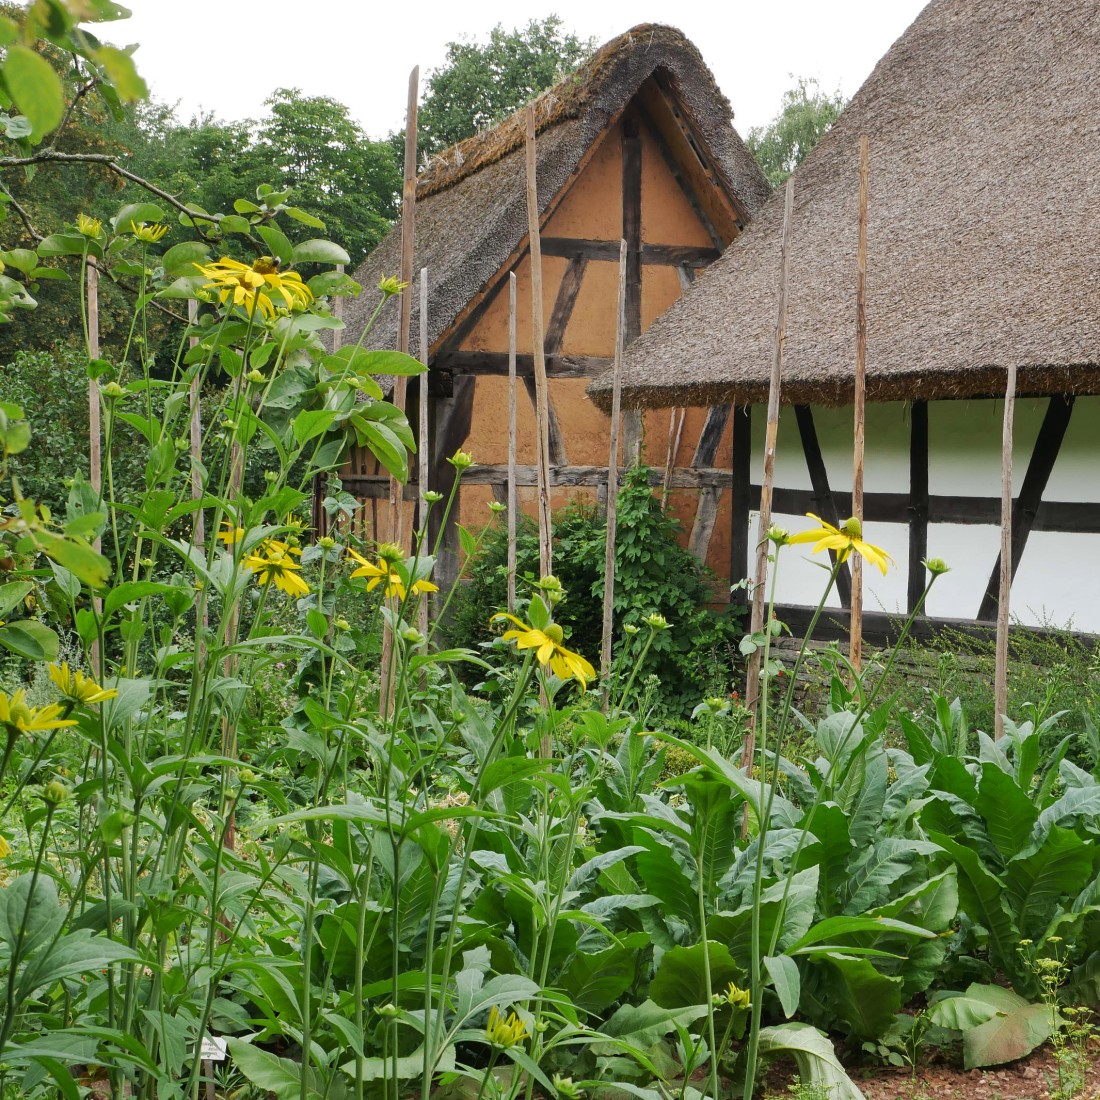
<point x="637" y="145"/>
<point x="983" y="250"/>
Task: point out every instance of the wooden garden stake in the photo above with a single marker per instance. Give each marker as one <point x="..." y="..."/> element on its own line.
<point x="95" y="431"/>
<point x="408" y="243"/>
<point x="613" y="481"/>
<point x="675" y="431"/>
<point x="1000" y="687"/>
<point x="760" y="575"/>
<point x="422" y="443"/>
<point x="512" y="443"/>
<point x="855" y="651"/>
<point x="542" y="412"/>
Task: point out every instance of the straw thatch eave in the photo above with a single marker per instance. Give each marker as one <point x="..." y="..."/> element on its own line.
<point x="471" y="215"/>
<point x="983" y="236"/>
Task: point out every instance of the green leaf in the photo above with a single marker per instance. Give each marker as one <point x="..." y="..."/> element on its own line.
<point x="306" y="219"/>
<point x="35" y="87"/>
<point x="319" y="252"/>
<point x="1036" y="883"/>
<point x="13" y="593"/>
<point x="405" y="1066"/>
<point x="308" y="425"/>
<point x="276" y="1075"/>
<point x="78" y="557"/>
<point x="129" y="592"/>
<point x="119" y="66"/>
<point x="317" y="622"/>
<point x="865" y="999"/>
<point x="783" y="972"/>
<point x="30" y="639"/>
<point x="595" y="982"/>
<point x="1008" y="812"/>
<point x="388" y="362"/>
<point x="280" y="246"/>
<point x="680" y="980"/>
<point x="68" y="244"/>
<point x="814" y="1056"/>
<point x="135" y="212"/>
<point x="1014" y="1031"/>
<point x="181" y="258"/>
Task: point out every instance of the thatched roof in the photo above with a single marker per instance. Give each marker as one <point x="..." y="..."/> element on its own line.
<point x="983" y="234"/>
<point x="471" y="213"/>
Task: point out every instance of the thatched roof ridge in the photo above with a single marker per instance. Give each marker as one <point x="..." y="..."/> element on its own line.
<point x="471" y="211"/>
<point x="983" y="231"/>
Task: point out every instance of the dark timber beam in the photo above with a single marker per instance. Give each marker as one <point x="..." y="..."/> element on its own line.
<point x="568" y="289"/>
<point x="664" y="255"/>
<point x="824" y="502"/>
<point x="711" y="435"/>
<point x="742" y="492"/>
<point x="496" y="362"/>
<point x="918" y="501"/>
<point x="632" y="225"/>
<point x="1026" y="507"/>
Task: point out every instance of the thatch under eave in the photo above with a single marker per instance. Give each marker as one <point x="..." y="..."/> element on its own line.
<point x="983" y="238"/>
<point x="471" y="213"/>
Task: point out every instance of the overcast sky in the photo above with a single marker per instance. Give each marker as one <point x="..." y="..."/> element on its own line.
<point x="227" y="56"/>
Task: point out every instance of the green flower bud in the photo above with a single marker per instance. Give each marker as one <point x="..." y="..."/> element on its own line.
<point x="656" y="622"/>
<point x="257" y="378"/>
<point x="55" y="792"/>
<point x="936" y="566"/>
<point x="113" y="391"/>
<point x="461" y="460"/>
<point x="326" y="542"/>
<point x="432" y="497"/>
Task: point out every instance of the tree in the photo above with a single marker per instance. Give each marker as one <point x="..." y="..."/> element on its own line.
<point x="479" y="83"/>
<point x="805" y="117"/>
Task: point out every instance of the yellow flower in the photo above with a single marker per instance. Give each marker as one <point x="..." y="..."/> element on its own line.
<point x="78" y="687"/>
<point x="564" y="663"/>
<point x="17" y="715"/>
<point x="843" y="539"/>
<point x="272" y="562"/>
<point x="231" y="534"/>
<point x="251" y="286"/>
<point x="395" y="586"/>
<point x="738" y="998"/>
<point x="391" y="285"/>
<point x="503" y="1032"/>
<point x="88" y="227"/>
<point x="148" y="233"/>
<point x="5" y="848"/>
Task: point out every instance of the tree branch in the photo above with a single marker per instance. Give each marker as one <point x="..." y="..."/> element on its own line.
<point x="23" y="215"/>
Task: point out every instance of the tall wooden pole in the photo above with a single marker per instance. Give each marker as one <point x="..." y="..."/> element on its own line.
<point x="760" y="574"/>
<point x="408" y="244"/>
<point x="1000" y="687"/>
<point x="855" y="652"/>
<point x="422" y="443"/>
<point x="95" y="429"/>
<point x="538" y="329"/>
<point x="675" y="432"/>
<point x="613" y="479"/>
<point x="512" y="502"/>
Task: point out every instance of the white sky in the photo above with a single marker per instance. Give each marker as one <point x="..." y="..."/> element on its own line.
<point x="228" y="56"/>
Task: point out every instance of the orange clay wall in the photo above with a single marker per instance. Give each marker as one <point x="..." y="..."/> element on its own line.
<point x="592" y="209"/>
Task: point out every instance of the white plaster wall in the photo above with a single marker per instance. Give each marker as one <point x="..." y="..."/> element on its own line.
<point x="1058" y="581"/>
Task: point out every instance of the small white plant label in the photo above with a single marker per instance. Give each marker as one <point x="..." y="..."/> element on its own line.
<point x="214" y="1049"/>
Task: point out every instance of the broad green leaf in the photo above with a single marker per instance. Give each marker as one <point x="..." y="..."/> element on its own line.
<point x="279" y="1076"/>
<point x="812" y="1052"/>
<point x="319" y="252"/>
<point x="783" y="972"/>
<point x="35" y="87"/>
<point x="281" y="248"/>
<point x="680" y="980"/>
<point x="133" y="213"/>
<point x="308" y="425"/>
<point x="1008" y="812"/>
<point x="1060" y="868"/>
<point x="181" y="258"/>
<point x="68" y="244"/>
<point x="78" y="557"/>
<point x="129" y="592"/>
<point x="595" y="982"/>
<point x="72" y="955"/>
<point x="119" y="66"/>
<point x="13" y="593"/>
<point x="30" y="639"/>
<point x="306" y="218"/>
<point x="863" y="997"/>
<point x="405" y="1066"/>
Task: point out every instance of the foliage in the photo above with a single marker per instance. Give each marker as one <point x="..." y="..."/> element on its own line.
<point x="480" y="83"/>
<point x="806" y="115"/>
<point x="653" y="572"/>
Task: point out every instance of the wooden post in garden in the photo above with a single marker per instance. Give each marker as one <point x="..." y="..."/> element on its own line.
<point x="95" y="431"/>
<point x="760" y="574"/>
<point x="675" y="431"/>
<point x="422" y="440"/>
<point x="855" y="651"/>
<point x="538" y="348"/>
<point x="512" y="502"/>
<point x="1000" y="682"/>
<point x="408" y="243"/>
<point x="613" y="480"/>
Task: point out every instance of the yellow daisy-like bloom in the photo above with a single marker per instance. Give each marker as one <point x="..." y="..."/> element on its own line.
<point x="88" y="227"/>
<point x="5" y="848"/>
<point x="17" y="715"/>
<point x="738" y="998"/>
<point x="843" y="539"/>
<point x="79" y="688"/>
<point x="504" y="1032"/>
<point x="272" y="562"/>
<point x="564" y="663"/>
<point x="395" y="586"/>
<point x="252" y="286"/>
<point x="148" y="233"/>
<point x="230" y="534"/>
